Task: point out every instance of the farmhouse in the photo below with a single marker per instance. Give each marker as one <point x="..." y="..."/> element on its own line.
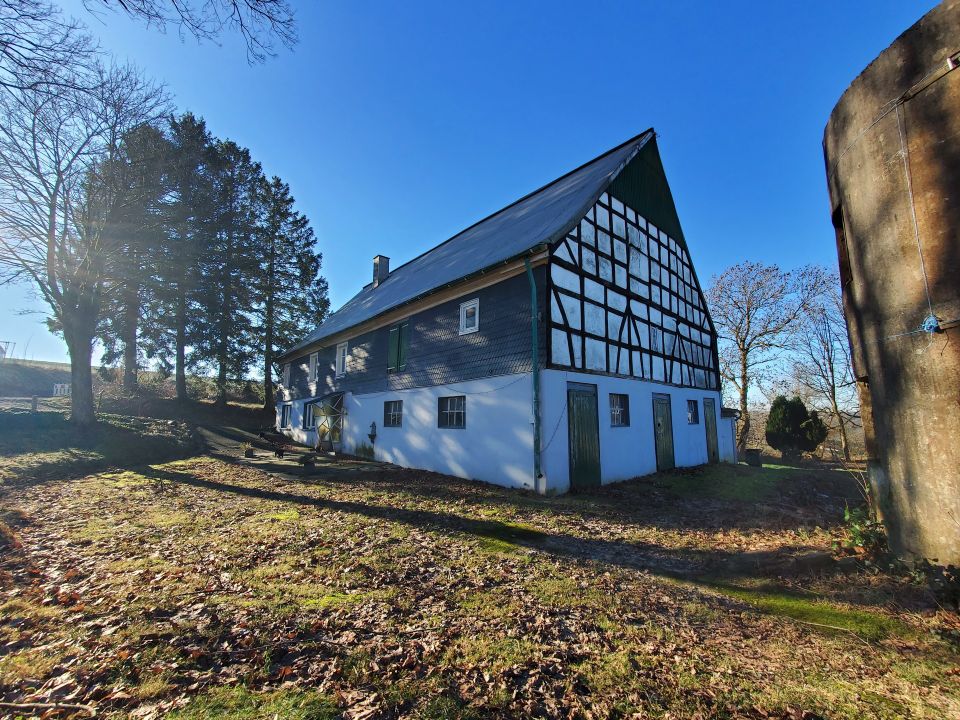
<point x="560" y="343"/>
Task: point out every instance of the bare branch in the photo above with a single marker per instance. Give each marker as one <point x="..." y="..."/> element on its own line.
<point x="262" y="23"/>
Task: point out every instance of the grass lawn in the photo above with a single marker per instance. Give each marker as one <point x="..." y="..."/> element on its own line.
<point x="200" y="588"/>
<point x="35" y="447"/>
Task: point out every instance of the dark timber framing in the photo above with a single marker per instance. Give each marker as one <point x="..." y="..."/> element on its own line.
<point x="625" y="300"/>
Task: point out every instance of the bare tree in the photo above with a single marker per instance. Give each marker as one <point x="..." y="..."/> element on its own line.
<point x="821" y="364"/>
<point x="754" y="306"/>
<point x="261" y="23"/>
<point x="55" y="200"/>
<point x="39" y="48"/>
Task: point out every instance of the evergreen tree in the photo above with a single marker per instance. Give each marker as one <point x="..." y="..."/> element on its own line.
<point x="791" y="429"/>
<point x="137" y="227"/>
<point x="224" y="339"/>
<point x="292" y="293"/>
<point x="168" y="320"/>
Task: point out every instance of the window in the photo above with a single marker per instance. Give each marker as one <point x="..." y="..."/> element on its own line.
<point x="452" y="412"/>
<point x="285" y="415"/>
<point x="341" y="359"/>
<point x="619" y="410"/>
<point x="693" y="412"/>
<point x="469" y="316"/>
<point x="393" y="413"/>
<point x="398" y="346"/>
<point x="286" y="375"/>
<point x="309" y="421"/>
<point x="313" y="367"/>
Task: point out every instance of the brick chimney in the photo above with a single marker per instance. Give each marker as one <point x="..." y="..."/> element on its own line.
<point x="381" y="269"/>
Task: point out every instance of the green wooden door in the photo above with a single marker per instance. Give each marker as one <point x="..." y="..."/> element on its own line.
<point x="584" y="434"/>
<point x="663" y="432"/>
<point x="710" y="424"/>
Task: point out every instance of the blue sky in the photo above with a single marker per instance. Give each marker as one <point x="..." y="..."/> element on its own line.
<point x="398" y="124"/>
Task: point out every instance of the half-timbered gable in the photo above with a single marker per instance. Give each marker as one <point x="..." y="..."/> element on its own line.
<point x="625" y="300"/>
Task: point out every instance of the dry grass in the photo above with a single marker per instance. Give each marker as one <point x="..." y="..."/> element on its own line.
<point x="214" y="589"/>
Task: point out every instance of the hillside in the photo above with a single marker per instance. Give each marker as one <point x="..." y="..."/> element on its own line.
<point x="25" y="378"/>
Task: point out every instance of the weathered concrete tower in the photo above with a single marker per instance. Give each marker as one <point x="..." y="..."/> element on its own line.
<point x="892" y="150"/>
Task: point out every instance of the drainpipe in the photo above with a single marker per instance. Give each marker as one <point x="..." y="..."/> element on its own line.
<point x="535" y="345"/>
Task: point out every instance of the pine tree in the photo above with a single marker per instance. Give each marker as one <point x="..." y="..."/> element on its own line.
<point x="168" y="318"/>
<point x="138" y="229"/>
<point x="224" y="339"/>
<point x="292" y="293"/>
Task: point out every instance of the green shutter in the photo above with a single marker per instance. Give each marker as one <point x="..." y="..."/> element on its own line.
<point x="393" y="350"/>
<point x="404" y="345"/>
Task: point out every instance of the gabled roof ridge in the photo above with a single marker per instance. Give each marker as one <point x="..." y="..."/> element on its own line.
<point x="530" y="194"/>
<point x="538" y="218"/>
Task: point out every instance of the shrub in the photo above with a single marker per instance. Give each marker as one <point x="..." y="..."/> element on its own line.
<point x="864" y="533"/>
<point x="363" y="450"/>
<point x="791" y="429"/>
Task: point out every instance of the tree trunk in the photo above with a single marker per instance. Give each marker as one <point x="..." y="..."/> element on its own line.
<point x="131" y="317"/>
<point x="80" y="347"/>
<point x="181" y="370"/>
<point x="269" y="402"/>
<point x="744" y="430"/>
<point x="835" y="409"/>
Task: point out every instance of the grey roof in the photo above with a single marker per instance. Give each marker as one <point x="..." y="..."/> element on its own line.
<point x="538" y="218"/>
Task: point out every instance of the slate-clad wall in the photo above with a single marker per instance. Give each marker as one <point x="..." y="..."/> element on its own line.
<point x="437" y="353"/>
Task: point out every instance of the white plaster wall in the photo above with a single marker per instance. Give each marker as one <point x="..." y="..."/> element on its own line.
<point x="496" y="446"/>
<point x="625" y="452"/>
<point x="296" y="432"/>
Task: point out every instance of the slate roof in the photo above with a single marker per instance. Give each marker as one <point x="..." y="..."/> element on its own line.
<point x="536" y="219"/>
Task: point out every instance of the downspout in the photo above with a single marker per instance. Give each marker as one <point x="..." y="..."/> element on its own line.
<point x="535" y="352"/>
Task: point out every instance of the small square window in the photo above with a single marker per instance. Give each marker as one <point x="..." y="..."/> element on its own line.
<point x="285" y="416"/>
<point x="452" y="412"/>
<point x="693" y="412"/>
<point x="469" y="316"/>
<point x="341" y="359"/>
<point x="393" y="413"/>
<point x="619" y="410"/>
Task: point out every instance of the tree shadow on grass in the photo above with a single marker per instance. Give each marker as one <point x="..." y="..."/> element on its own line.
<point x="760" y="499"/>
<point x="512" y="537"/>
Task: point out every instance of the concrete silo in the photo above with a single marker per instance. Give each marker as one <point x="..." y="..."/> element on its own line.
<point x="892" y="151"/>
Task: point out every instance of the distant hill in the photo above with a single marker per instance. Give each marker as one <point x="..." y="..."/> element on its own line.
<point x="25" y="378"/>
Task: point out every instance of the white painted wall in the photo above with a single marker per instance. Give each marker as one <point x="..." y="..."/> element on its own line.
<point x="625" y="452"/>
<point x="496" y="446"/>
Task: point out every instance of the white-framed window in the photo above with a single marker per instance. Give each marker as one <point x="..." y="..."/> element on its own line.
<point x="470" y="316"/>
<point x="286" y="375"/>
<point x="393" y="413"/>
<point x="309" y="421"/>
<point x="619" y="410"/>
<point x="285" y="415"/>
<point x="313" y="367"/>
<point x="452" y="412"/>
<point x="341" y="359"/>
<point x="693" y="412"/>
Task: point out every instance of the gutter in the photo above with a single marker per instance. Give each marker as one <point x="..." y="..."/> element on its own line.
<point x="535" y="357"/>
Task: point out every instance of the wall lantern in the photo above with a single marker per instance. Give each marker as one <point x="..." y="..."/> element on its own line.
<point x="373" y="431"/>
